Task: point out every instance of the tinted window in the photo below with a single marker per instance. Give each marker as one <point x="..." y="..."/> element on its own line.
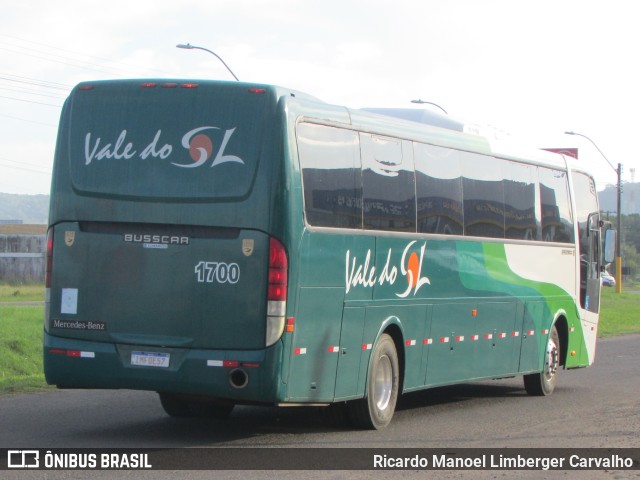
<point x="556" y="210"/>
<point x="483" y="193"/>
<point x="388" y="184"/>
<point x="330" y="163"/>
<point x="520" y="202"/>
<point x="438" y="190"/>
<point x="588" y="242"/>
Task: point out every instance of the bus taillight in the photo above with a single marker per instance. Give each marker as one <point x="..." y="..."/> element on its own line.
<point x="49" y="257"/>
<point x="276" y="291"/>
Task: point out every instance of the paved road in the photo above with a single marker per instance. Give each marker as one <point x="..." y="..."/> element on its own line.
<point x="594" y="407"/>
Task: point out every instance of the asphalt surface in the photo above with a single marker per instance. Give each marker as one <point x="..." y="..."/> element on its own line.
<point x="594" y="407"/>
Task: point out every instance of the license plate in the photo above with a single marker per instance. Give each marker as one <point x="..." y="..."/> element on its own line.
<point x="150" y="359"/>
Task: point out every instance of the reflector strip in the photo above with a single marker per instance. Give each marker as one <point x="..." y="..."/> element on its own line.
<point x="545" y="331"/>
<point x="300" y="351"/>
<point x="367" y="346"/>
<point x="531" y="333"/>
<point x="251" y="365"/>
<point x="72" y="353"/>
<point x="226" y="363"/>
<point x="474" y="337"/>
<point x="488" y="336"/>
<point x="333" y="349"/>
<point x="572" y="329"/>
<point x="427" y="341"/>
<point x="515" y="334"/>
<point x="502" y="335"/>
<point x="460" y="338"/>
<point x="410" y="343"/>
<point x="444" y="340"/>
<point x="291" y="325"/>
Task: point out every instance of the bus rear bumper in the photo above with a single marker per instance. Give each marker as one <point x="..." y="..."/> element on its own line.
<point x="236" y="375"/>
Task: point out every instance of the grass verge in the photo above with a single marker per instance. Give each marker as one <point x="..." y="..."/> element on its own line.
<point x="21" y="349"/>
<point x="21" y="293"/>
<point x="619" y="313"/>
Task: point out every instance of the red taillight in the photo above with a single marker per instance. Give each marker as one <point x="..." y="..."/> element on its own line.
<point x="49" y="258"/>
<point x="277" y="271"/>
<point x="277" y="276"/>
<point x="277" y="293"/>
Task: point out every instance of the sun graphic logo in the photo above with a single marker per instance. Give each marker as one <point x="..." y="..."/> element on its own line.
<point x="411" y="268"/>
<point x="201" y="148"/>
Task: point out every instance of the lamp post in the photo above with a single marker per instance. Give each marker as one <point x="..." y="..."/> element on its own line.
<point x="188" y="46"/>
<point x="619" y="222"/>
<point x="422" y="102"/>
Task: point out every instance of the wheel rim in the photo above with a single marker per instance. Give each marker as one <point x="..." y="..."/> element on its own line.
<point x="383" y="383"/>
<point x="552" y="363"/>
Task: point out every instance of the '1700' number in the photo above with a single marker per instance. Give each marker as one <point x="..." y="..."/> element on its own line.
<point x="219" y="272"/>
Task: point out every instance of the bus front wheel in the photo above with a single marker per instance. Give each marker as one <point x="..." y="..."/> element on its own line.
<point x="376" y="409"/>
<point x="544" y="383"/>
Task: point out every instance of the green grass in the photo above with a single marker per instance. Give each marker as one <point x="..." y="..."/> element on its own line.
<point x="619" y="312"/>
<point x="21" y="293"/>
<point x="21" y="349"/>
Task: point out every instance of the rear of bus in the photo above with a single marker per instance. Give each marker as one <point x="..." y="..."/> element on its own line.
<point x="166" y="270"/>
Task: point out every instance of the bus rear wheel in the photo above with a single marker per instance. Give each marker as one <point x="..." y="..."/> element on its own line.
<point x="383" y="379"/>
<point x="174" y="405"/>
<point x="544" y="383"/>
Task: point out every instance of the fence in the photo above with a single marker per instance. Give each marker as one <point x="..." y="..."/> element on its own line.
<point x="22" y="258"/>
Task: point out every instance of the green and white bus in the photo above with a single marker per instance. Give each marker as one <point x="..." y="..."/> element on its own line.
<point x="228" y="243"/>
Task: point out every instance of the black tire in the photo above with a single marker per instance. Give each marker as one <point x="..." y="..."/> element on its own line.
<point x="335" y="415"/>
<point x="175" y="406"/>
<point x="544" y="383"/>
<point x="383" y="381"/>
<point x="210" y="409"/>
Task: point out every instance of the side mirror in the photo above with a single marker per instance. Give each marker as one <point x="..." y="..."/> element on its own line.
<point x="609" y="246"/>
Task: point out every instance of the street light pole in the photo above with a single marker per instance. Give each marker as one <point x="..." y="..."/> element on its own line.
<point x="422" y="102"/>
<point x="188" y="46"/>
<point x="619" y="222"/>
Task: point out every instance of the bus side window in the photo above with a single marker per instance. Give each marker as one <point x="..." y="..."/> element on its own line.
<point x="520" y="202"/>
<point x="483" y="192"/>
<point x="438" y="190"/>
<point x="557" y="224"/>
<point x="331" y="176"/>
<point x="388" y="184"/>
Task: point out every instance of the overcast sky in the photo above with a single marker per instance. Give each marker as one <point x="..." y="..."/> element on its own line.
<point x="533" y="69"/>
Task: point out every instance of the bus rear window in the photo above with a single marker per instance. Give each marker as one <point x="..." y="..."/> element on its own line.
<point x="125" y="140"/>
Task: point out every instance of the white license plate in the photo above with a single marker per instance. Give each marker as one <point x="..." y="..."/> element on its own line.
<point x="150" y="359"/>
